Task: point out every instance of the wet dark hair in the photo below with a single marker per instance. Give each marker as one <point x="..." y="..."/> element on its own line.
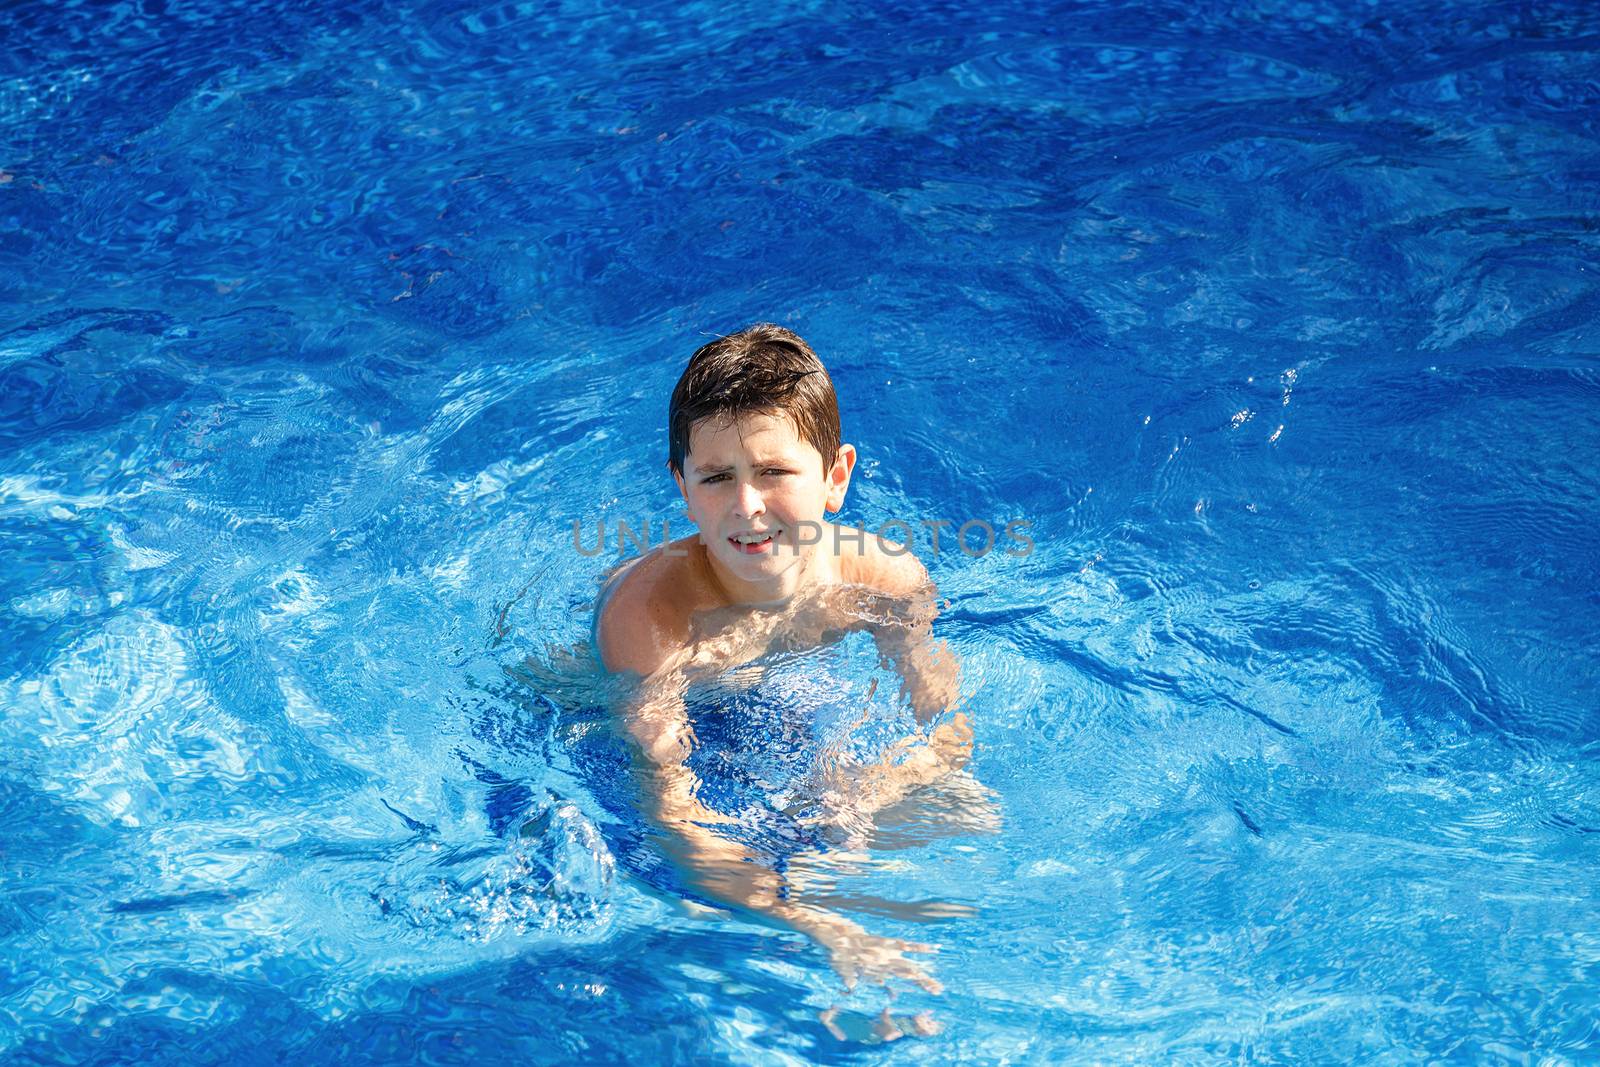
<point x="762" y="369"/>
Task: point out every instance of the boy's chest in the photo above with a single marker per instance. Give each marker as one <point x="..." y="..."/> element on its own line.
<point x="726" y="638"/>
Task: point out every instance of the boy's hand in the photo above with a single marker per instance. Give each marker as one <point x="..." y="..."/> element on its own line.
<point x="856" y="954"/>
<point x="856" y="790"/>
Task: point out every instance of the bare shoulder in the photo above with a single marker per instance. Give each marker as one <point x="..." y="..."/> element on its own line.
<point x="885" y="566"/>
<point x="645" y="616"/>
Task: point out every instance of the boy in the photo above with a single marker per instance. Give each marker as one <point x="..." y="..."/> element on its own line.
<point x="756" y="452"/>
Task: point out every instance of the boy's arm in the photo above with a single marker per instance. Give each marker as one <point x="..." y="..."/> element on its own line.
<point x="904" y="634"/>
<point x="931" y="674"/>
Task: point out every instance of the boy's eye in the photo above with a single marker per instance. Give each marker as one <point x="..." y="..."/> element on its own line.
<point x="711" y="479"/>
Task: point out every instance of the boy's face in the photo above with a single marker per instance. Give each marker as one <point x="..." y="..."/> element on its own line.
<point x="758" y="491"/>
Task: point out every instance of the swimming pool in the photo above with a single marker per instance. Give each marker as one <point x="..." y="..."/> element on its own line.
<point x="321" y="325"/>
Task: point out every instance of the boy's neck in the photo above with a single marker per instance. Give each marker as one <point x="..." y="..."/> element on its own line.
<point x="814" y="570"/>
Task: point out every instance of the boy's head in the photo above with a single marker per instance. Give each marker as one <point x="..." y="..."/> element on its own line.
<point x="755" y="449"/>
<point x="763" y="369"/>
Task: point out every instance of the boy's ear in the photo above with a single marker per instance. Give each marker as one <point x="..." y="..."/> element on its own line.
<point x="683" y="490"/>
<point x="838" y="477"/>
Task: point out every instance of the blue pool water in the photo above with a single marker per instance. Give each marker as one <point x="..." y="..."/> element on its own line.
<point x="321" y="324"/>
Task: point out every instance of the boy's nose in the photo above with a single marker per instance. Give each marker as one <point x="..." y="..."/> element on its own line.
<point x="748" y="503"/>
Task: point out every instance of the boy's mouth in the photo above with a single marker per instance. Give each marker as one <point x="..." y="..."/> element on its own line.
<point x="752" y="544"/>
